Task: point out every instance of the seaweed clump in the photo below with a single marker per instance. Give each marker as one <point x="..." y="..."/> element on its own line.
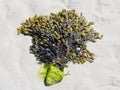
<point x="60" y="38"/>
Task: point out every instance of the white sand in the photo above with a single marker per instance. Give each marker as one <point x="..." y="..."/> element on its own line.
<point x="18" y="68"/>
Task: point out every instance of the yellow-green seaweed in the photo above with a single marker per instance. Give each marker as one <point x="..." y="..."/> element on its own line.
<point x="51" y="74"/>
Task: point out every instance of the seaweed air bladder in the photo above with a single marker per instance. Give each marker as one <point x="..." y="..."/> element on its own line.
<point x="58" y="39"/>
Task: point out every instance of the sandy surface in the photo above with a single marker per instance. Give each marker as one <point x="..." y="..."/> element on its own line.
<point x="18" y="68"/>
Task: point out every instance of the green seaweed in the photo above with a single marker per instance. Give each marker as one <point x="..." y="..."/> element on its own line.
<point x="51" y="74"/>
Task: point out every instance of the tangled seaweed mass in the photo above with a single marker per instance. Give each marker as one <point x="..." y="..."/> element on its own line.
<point x="58" y="39"/>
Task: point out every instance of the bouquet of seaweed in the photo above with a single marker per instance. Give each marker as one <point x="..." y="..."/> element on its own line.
<point x="58" y="39"/>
